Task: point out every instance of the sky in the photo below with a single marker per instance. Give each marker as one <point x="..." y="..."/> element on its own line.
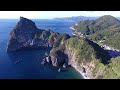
<point x="54" y="14"/>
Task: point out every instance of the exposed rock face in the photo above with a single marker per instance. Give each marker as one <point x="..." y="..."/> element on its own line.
<point x="22" y="35"/>
<point x="47" y="60"/>
<point x="56" y="60"/>
<point x="59" y="58"/>
<point x="27" y="35"/>
<point x="85" y="67"/>
<point x="44" y="61"/>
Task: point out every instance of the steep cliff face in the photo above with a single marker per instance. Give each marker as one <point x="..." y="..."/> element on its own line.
<point x="83" y="55"/>
<point x="22" y="34"/>
<point x="27" y="35"/>
<point x="84" y="67"/>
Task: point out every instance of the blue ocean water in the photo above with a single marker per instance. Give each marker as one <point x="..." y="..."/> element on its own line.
<point x="30" y="66"/>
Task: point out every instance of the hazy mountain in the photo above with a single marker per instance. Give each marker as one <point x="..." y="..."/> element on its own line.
<point x="76" y="18"/>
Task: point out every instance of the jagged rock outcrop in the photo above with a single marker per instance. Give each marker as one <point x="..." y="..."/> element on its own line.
<point x="47" y="60"/>
<point x="27" y="35"/>
<point x="22" y="35"/>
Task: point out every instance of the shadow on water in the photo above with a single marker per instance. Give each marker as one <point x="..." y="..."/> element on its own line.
<point x="114" y="53"/>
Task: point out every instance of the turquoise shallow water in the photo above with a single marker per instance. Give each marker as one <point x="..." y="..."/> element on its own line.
<point x="30" y="66"/>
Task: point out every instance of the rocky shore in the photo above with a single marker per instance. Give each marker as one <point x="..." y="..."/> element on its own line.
<point x="50" y="61"/>
<point x="84" y="75"/>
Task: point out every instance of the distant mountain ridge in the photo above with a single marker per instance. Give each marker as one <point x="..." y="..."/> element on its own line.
<point x="76" y="18"/>
<point x="79" y="18"/>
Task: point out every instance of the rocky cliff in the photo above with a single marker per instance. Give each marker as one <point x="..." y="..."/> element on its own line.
<point x="27" y="35"/>
<point x="84" y="55"/>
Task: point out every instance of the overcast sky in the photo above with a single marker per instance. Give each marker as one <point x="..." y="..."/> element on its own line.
<point x="54" y="14"/>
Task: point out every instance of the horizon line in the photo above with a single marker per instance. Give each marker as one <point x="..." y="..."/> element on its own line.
<point x="56" y="17"/>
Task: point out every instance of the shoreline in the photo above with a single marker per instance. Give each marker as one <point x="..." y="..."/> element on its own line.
<point x="81" y="73"/>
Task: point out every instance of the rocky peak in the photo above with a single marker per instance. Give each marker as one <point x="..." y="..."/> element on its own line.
<point x="26" y="24"/>
<point x="22" y="35"/>
<point x="23" y="19"/>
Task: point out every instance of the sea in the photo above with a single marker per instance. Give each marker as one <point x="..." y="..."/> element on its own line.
<point x="30" y="66"/>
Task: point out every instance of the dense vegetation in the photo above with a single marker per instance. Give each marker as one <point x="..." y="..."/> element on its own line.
<point x="105" y="28"/>
<point x="113" y="69"/>
<point x="109" y="71"/>
<point x="88" y="27"/>
<point x="109" y="37"/>
<point x="113" y="41"/>
<point x="87" y="48"/>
